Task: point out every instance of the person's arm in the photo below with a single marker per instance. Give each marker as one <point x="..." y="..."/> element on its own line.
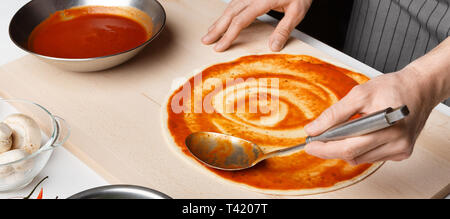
<point x="421" y="86"/>
<point x="241" y="13"/>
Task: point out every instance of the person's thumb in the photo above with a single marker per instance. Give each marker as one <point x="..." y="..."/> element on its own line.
<point x="338" y="113"/>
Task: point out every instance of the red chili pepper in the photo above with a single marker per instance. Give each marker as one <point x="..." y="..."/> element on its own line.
<point x="40" y="194"/>
<point x="34" y="189"/>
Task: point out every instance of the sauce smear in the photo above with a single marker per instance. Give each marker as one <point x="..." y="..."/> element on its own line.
<point x="83" y="33"/>
<point x="307" y="86"/>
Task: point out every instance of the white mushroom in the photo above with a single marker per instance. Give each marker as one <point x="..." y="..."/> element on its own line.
<point x="26" y="133"/>
<point x="5" y="137"/>
<point x="11" y="156"/>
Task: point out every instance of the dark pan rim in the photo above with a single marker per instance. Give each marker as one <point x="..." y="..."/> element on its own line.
<point x="114" y="190"/>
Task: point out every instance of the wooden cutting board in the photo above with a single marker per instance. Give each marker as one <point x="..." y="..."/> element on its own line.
<point x="115" y="114"/>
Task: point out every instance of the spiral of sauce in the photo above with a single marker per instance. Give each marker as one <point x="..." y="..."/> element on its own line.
<point x="266" y="99"/>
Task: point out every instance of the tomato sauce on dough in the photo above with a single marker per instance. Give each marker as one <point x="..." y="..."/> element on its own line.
<point x="306" y="87"/>
<point x="84" y="33"/>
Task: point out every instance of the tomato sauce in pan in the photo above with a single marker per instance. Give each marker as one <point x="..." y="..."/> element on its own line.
<point x="307" y="86"/>
<point x="83" y="33"/>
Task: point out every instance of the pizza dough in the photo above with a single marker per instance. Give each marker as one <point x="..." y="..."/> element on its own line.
<point x="266" y="99"/>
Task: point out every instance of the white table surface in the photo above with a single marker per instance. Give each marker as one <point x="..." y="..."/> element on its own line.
<point x="67" y="174"/>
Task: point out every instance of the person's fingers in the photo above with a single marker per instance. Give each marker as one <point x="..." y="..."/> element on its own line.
<point x="241" y="21"/>
<point x="293" y="16"/>
<point x="337" y="113"/>
<point x="364" y="149"/>
<point x="347" y="149"/>
<point x="221" y="25"/>
<point x="396" y="150"/>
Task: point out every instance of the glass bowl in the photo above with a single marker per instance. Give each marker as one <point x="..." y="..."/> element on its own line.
<point x="55" y="131"/>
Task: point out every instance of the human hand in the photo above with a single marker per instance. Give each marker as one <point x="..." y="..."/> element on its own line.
<point x="241" y="13"/>
<point x="396" y="143"/>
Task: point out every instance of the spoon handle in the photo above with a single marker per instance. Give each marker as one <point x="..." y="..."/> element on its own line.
<point x="357" y="127"/>
<point x="364" y="125"/>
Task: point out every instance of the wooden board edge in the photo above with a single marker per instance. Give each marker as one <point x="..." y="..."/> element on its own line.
<point x="443" y="193"/>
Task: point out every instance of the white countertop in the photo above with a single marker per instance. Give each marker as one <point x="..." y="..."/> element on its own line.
<point x="67" y="174"/>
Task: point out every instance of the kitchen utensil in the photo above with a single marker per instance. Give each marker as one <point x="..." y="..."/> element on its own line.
<point x="226" y="152"/>
<point x="120" y="192"/>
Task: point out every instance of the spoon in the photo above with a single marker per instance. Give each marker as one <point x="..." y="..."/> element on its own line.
<point x="226" y="152"/>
